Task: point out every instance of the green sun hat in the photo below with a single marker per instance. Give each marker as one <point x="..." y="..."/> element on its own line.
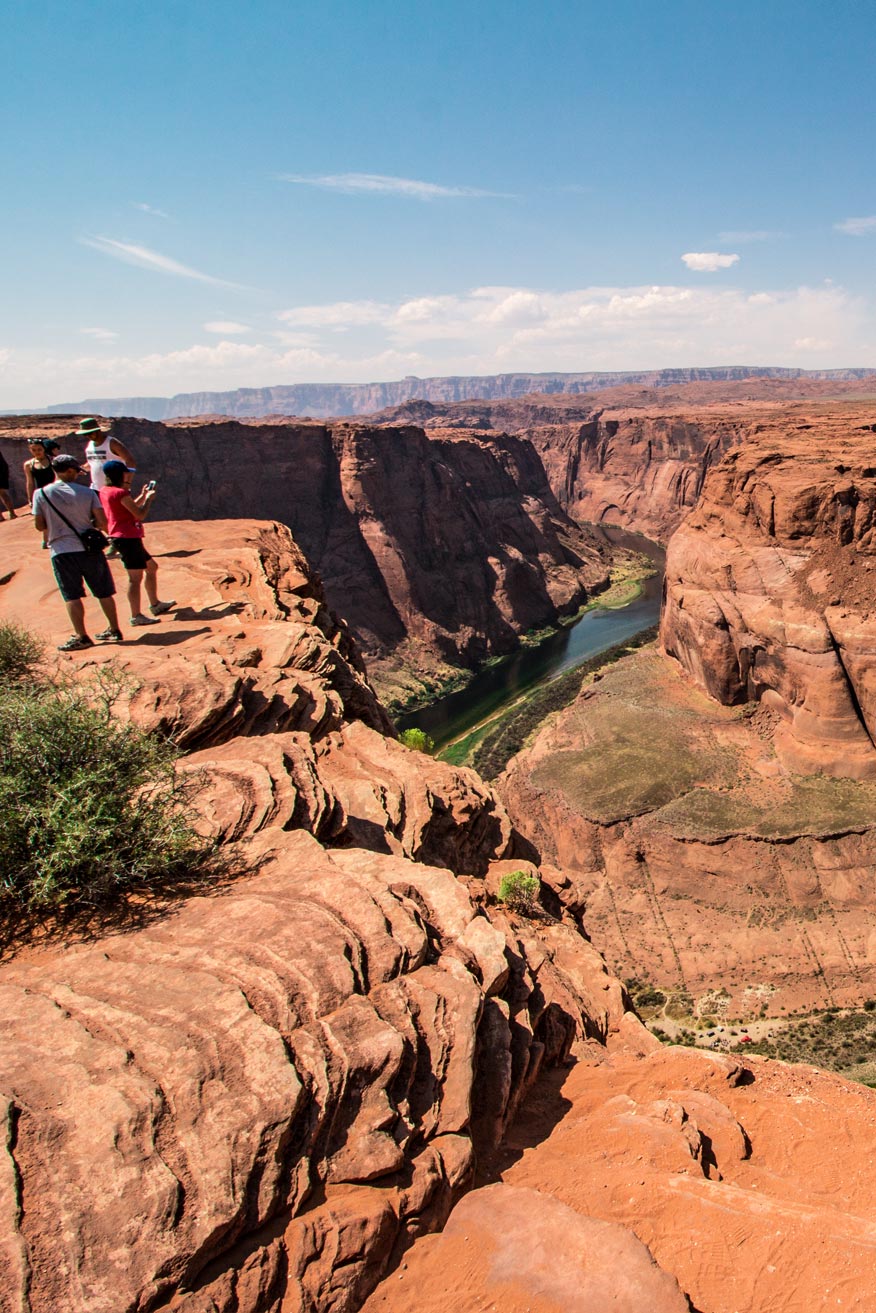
<point x="88" y="428"/>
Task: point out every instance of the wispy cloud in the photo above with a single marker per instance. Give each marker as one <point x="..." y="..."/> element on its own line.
<point x="862" y="227"/>
<point x="130" y="253"/>
<point x="149" y="209"/>
<point x="100" y="334"/>
<point x="227" y="327"/>
<point x="709" y="262"/>
<point x="736" y="235"/>
<point x="356" y="183"/>
<point x="336" y="314"/>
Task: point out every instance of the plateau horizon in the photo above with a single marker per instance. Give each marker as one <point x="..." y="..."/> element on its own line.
<point x="483" y="330"/>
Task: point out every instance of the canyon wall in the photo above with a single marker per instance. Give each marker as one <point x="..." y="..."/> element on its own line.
<point x="251" y="1098"/>
<point x="325" y="399"/>
<point x="254" y="1098"/>
<point x="716" y="809"/>
<point x="439" y="550"/>
<point x="771" y="591"/>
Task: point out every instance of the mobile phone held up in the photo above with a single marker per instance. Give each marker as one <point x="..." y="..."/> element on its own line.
<point x="150" y="486"/>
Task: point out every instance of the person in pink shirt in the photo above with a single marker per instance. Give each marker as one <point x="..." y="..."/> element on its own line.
<point x="125" y="515"/>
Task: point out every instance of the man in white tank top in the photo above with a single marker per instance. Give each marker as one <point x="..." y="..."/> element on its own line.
<point x="101" y="447"/>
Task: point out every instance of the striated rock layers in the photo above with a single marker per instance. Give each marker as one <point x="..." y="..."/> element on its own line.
<point x="248" y="1100"/>
<point x="738" y="1181"/>
<point x="439" y="551"/>
<point x="324" y="399"/>
<point x="253" y="1099"/>
<point x="771" y="592"/>
<point x="634" y="461"/>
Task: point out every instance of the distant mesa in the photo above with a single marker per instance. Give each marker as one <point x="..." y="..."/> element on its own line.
<point x="323" y="400"/>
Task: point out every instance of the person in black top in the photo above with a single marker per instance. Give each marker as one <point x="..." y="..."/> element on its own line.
<point x="5" y="499"/>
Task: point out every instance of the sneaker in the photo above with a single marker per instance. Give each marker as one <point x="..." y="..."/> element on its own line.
<point x="109" y="636"/>
<point x="162" y="608"/>
<point x="75" y="644"/>
<point x="142" y="620"/>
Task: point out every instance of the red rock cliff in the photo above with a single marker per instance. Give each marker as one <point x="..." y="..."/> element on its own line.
<point x="771" y="590"/>
<point x="438" y="550"/>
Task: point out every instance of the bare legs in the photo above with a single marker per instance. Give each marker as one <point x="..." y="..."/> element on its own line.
<point x="8" y="503"/>
<point x="135" y="579"/>
<point x="76" y="612"/>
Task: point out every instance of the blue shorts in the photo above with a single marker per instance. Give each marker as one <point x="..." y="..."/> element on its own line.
<point x="73" y="570"/>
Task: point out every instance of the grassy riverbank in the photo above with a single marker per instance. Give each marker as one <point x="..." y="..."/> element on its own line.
<point x="489" y="746"/>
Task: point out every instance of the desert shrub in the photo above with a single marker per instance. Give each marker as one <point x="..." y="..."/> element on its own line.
<point x="418" y="739"/>
<point x="91" y="807"/>
<point x="870" y="1005"/>
<point x="519" y="892"/>
<point x="20" y="654"/>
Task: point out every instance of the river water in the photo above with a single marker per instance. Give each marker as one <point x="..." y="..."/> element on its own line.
<point x="493" y="688"/>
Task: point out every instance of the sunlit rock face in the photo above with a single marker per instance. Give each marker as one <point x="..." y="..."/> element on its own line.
<point x="771" y="591"/>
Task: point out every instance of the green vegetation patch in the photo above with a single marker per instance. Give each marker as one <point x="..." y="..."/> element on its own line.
<point x="92" y="808"/>
<point x="640" y="759"/>
<point x="489" y="747"/>
<point x="519" y="892"/>
<point x="812" y="805"/>
<point x="841" y="1041"/>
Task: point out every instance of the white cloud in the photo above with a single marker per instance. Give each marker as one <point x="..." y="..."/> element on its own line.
<point x="357" y="183"/>
<point x="226" y="326"/>
<point x="335" y="314"/>
<point x="100" y="334"/>
<point x="812" y="344"/>
<point x="149" y="209"/>
<point x="708" y="262"/>
<point x="863" y="227"/>
<point x="485" y="330"/>
<point x="130" y="253"/>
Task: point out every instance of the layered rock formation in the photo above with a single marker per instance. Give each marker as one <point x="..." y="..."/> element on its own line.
<point x="771" y="591"/>
<point x="638" y="457"/>
<point x="737" y="1179"/>
<point x="724" y="845"/>
<point x="439" y="551"/>
<point x="249" y="1099"/>
<point x="324" y="399"/>
<point x="698" y="863"/>
<point x="253" y="1099"/>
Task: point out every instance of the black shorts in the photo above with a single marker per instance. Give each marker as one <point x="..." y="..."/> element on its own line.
<point x="132" y="552"/>
<point x="73" y="570"/>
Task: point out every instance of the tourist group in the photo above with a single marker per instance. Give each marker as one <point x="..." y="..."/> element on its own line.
<point x="73" y="519"/>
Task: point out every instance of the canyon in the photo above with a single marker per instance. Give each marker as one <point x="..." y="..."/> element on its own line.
<point x="439" y="550"/>
<point x="351" y="1076"/>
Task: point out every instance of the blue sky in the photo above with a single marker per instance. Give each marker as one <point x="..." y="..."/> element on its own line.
<point x="206" y="196"/>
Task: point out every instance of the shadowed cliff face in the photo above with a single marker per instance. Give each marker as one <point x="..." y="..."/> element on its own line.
<point x="439" y="550"/>
<point x="640" y="467"/>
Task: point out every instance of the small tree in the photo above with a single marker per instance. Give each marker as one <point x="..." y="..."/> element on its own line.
<point x="20" y="654"/>
<point x="519" y="892"/>
<point x="418" y="739"/>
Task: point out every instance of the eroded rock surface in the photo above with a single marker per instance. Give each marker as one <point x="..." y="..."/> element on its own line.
<point x="695" y="860"/>
<point x="438" y="550"/>
<point x="736" y="1181"/>
<point x="250" y="1099"/>
<point x="771" y="591"/>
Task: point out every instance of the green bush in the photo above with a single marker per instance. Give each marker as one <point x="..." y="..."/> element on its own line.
<point x="519" y="892"/>
<point x="20" y="654"/>
<point x="418" y="739"/>
<point x="91" y="807"/>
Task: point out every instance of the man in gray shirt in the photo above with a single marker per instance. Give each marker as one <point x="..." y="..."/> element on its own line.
<point x="66" y="509"/>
